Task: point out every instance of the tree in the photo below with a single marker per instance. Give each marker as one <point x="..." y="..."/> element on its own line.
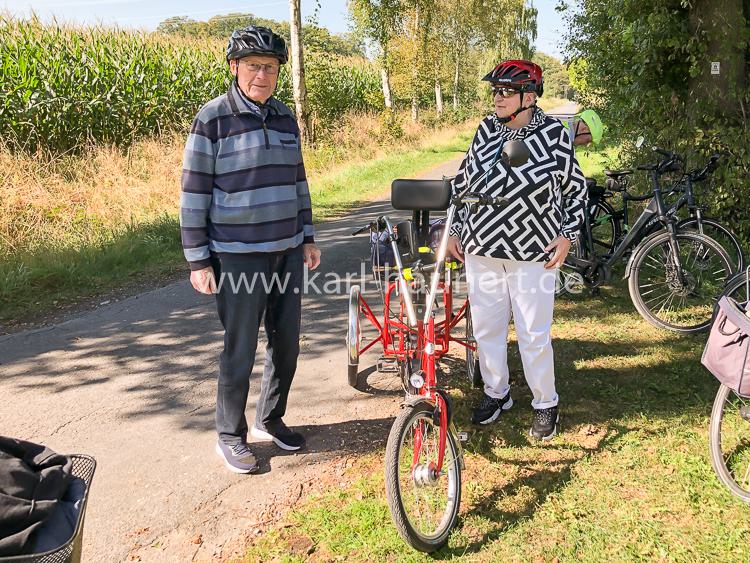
<point x="556" y="79"/>
<point x="379" y="20"/>
<point x="298" y="69"/>
<point x="648" y="71"/>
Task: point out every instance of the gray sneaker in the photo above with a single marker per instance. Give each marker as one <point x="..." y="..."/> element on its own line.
<point x="237" y="457"/>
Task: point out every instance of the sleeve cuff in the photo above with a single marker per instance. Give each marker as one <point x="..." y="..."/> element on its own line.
<point x="572" y="236"/>
<point x="308" y="240"/>
<point x="199" y="264"/>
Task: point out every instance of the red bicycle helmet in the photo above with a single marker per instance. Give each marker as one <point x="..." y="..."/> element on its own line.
<point x="521" y="74"/>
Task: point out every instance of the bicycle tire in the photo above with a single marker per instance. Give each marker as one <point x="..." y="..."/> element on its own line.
<point x="721" y="234"/>
<point x="473" y="371"/>
<point x="426" y="543"/>
<point x="718" y="459"/>
<point x="602" y="217"/>
<point x="713" y="287"/>
<point x="353" y="336"/>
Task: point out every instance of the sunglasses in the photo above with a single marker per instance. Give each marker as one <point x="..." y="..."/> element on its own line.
<point x="504" y="92"/>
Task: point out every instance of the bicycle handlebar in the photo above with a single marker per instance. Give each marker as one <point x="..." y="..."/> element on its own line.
<point x="378" y="224"/>
<point x="480" y="199"/>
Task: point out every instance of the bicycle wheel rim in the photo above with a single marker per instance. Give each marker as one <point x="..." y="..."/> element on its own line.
<point x="729" y="440"/>
<point x="722" y="235"/>
<point x="666" y="301"/>
<point x="429" y="510"/>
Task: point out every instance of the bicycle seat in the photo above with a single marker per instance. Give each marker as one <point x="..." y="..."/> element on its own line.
<point x="421" y="195"/>
<point x="617" y="174"/>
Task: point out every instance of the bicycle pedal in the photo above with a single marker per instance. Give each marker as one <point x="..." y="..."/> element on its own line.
<point x="462" y="436"/>
<point x="386" y="365"/>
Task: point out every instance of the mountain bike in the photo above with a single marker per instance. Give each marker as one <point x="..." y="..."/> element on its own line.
<point x="729" y="428"/>
<point x="423" y="458"/>
<point x="674" y="277"/>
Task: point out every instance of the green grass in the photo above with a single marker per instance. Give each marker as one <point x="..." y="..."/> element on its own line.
<point x="629" y="478"/>
<point x="341" y="190"/>
<point x="141" y="252"/>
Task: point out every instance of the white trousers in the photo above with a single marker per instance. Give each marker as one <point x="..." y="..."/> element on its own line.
<point x="497" y="287"/>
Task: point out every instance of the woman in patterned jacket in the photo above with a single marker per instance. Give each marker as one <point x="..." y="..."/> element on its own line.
<point x="512" y="253"/>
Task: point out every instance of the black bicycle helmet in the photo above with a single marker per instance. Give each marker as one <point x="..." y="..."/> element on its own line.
<point x="256" y="40"/>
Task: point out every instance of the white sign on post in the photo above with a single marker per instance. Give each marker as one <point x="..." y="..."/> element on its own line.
<point x="715" y="67"/>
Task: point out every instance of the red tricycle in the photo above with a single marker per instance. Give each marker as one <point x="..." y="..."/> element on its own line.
<point x="424" y="459"/>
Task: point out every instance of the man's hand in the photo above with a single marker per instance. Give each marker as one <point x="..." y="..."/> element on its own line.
<point x="311" y="255"/>
<point x="203" y="280"/>
<point x="560" y="246"/>
<point x="455" y="249"/>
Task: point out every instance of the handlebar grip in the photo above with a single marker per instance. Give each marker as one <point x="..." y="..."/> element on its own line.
<point x="663" y="152"/>
<point x="361" y="230"/>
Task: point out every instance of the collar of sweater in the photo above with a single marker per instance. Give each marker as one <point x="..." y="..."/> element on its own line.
<point x="537" y="119"/>
<point x="240" y="104"/>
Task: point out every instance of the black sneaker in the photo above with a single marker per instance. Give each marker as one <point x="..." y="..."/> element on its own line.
<point x="490" y="408"/>
<point x="279" y="433"/>
<point x="237" y="457"/>
<point x="545" y="424"/>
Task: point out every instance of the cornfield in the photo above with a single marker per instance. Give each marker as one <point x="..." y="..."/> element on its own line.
<point x="63" y="87"/>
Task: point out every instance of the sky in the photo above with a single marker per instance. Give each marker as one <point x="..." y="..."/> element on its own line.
<point x="148" y="13"/>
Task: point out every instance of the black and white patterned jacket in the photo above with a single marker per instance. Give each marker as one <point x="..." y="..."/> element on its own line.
<point x="547" y="194"/>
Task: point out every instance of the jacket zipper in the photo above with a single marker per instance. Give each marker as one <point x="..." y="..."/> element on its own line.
<point x="265" y="134"/>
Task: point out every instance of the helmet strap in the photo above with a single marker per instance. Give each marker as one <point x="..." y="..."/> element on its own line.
<point x="513" y="115"/>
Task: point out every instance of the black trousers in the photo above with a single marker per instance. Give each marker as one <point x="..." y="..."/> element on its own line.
<point x="252" y="288"/>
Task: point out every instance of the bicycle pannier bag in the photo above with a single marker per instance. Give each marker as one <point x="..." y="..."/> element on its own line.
<point x="726" y="354"/>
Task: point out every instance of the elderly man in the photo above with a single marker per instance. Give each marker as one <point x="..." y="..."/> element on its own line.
<point x="246" y="224"/>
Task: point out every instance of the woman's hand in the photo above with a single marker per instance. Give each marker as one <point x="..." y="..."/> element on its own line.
<point x="560" y="246"/>
<point x="455" y="249"/>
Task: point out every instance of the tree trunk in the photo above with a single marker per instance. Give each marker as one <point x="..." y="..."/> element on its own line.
<point x="718" y="95"/>
<point x="386" y="79"/>
<point x="438" y="97"/>
<point x="455" y="80"/>
<point x="298" y="70"/>
<point x="415" y="70"/>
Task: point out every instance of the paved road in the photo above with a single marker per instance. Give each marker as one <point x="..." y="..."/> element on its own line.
<point x="565" y="110"/>
<point x="133" y="384"/>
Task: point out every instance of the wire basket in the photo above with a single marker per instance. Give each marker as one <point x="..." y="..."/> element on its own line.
<point x="70" y="552"/>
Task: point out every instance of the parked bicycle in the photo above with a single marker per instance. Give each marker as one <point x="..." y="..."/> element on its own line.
<point x="729" y="428"/>
<point x="674" y="276"/>
<point x="423" y="459"/>
<point x="609" y="225"/>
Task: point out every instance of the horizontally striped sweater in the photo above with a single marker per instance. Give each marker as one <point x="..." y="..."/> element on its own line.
<point x="547" y="194"/>
<point x="244" y="188"/>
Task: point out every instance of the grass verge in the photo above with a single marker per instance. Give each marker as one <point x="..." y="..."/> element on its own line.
<point x="76" y="259"/>
<point x="628" y="479"/>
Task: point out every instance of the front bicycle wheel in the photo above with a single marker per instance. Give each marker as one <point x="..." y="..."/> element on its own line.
<point x="678" y="292"/>
<point x="424" y="502"/>
<point x="729" y="441"/>
<point x="721" y="234"/>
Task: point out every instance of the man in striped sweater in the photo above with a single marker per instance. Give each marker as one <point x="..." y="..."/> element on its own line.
<point x="246" y="223"/>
